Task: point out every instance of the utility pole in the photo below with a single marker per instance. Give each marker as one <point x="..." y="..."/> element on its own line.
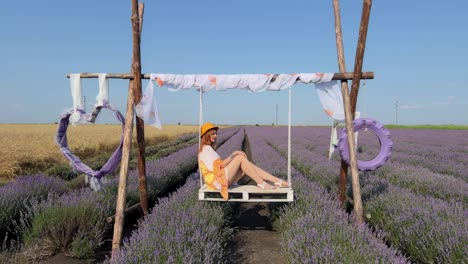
<point x="276" y="114"/>
<point x="396" y="111"/>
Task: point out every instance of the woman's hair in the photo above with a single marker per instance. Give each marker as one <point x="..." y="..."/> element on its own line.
<point x="205" y="139"/>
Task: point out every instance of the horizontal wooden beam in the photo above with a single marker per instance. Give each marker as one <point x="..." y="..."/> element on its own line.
<point x="130" y="210"/>
<point x="336" y="76"/>
<point x="349" y="75"/>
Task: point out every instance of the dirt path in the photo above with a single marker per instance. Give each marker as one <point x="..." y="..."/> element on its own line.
<point x="255" y="241"/>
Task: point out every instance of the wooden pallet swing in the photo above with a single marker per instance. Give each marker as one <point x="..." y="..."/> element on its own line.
<point x="250" y="193"/>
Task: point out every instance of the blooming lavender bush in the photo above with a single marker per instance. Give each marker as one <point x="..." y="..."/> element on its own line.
<point x="75" y="236"/>
<point x="234" y="143"/>
<point x="17" y="195"/>
<point x="429" y="230"/>
<point x="166" y="148"/>
<point x="418" y="179"/>
<point x="262" y="154"/>
<point x="318" y="230"/>
<point x="405" y="171"/>
<point x="197" y="236"/>
<point x="441" y="151"/>
<point x="74" y="222"/>
<point x="425" y="182"/>
<point x="314" y="228"/>
<point x="153" y="149"/>
<point x="308" y="155"/>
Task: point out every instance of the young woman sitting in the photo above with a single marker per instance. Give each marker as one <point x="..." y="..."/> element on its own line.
<point x="219" y="174"/>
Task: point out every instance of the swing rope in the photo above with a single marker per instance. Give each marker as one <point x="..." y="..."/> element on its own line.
<point x="289" y="137"/>
<point x="200" y="121"/>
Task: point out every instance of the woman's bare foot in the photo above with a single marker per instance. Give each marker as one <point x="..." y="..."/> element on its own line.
<point x="266" y="186"/>
<point x="282" y="184"/>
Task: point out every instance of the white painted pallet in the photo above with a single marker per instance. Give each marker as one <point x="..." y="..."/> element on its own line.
<point x="248" y="193"/>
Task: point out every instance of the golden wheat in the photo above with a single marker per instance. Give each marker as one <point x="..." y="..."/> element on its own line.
<point x="34" y="143"/>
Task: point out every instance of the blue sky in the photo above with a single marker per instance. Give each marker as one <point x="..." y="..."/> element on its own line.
<point x="418" y="51"/>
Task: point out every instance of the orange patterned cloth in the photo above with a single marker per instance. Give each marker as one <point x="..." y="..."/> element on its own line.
<point x="214" y="175"/>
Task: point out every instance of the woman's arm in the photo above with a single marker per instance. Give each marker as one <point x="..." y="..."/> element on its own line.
<point x="228" y="160"/>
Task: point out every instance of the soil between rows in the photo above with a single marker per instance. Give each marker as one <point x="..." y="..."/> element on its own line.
<point x="255" y="241"/>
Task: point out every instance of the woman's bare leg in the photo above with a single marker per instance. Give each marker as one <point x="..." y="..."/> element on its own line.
<point x="260" y="172"/>
<point x="241" y="163"/>
<point x="234" y="179"/>
<point x="267" y="176"/>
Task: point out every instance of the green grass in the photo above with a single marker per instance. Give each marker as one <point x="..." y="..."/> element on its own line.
<point x="442" y="127"/>
<point x="4" y="181"/>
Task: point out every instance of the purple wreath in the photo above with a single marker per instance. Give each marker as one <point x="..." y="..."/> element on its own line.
<point x="76" y="163"/>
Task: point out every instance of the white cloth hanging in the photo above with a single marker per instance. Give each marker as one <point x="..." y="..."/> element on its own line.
<point x="147" y="109"/>
<point x="103" y="96"/>
<point x="251" y="82"/>
<point x="331" y="99"/>
<point x="95" y="183"/>
<point x="175" y="82"/>
<point x="76" y="91"/>
<point x="334" y="136"/>
<point x="282" y="82"/>
<point x="205" y="82"/>
<point x="315" y="77"/>
<point x="224" y="82"/>
<point x="329" y="91"/>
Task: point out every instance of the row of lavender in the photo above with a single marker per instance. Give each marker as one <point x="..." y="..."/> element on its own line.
<point x="440" y="151"/>
<point x="422" y="212"/>
<point x="311" y="148"/>
<point x="52" y="220"/>
<point x="199" y="234"/>
<point x="314" y="228"/>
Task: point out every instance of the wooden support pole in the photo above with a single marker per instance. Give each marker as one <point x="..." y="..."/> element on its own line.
<point x="342" y="181"/>
<point x="348" y="118"/>
<point x="130" y="210"/>
<point x="366" y="8"/>
<point x="129" y="76"/>
<point x="357" y="201"/>
<point x="344" y="86"/>
<point x="140" y="128"/>
<point x="122" y="189"/>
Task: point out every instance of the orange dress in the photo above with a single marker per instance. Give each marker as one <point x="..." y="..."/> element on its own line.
<point x="213" y="174"/>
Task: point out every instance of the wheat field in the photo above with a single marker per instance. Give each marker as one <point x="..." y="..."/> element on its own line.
<point x="29" y="145"/>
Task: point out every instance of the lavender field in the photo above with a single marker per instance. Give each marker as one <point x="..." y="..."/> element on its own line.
<point x="415" y="205"/>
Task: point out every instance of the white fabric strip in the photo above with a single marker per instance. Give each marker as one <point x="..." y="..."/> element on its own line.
<point x="257" y="82"/>
<point x="329" y="91"/>
<point x="147" y="109"/>
<point x="250" y="82"/>
<point x="103" y="96"/>
<point x="75" y="86"/>
<point x="282" y="82"/>
<point x="332" y="101"/>
<point x="315" y="77"/>
<point x="333" y="139"/>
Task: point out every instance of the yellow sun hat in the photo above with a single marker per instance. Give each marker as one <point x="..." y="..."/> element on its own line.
<point x="207" y="127"/>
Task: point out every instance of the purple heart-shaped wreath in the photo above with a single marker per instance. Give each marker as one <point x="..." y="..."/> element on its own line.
<point x="76" y="163"/>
